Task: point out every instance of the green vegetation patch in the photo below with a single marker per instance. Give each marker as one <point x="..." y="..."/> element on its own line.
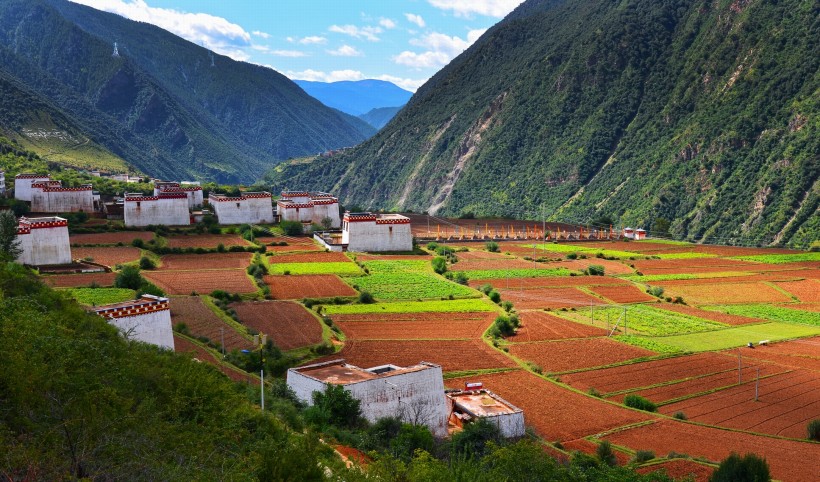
<point x="664" y="241"/>
<point x="648" y="343"/>
<point x="589" y="252"/>
<point x="781" y="258"/>
<point x="339" y="268"/>
<point x="518" y="273"/>
<point x="769" y="312"/>
<point x="739" y="336"/>
<point x="101" y="296"/>
<point x="410" y="286"/>
<point x="399" y="266"/>
<point x="687" y="255"/>
<point x="443" y="306"/>
<point x="649" y="320"/>
<point x="670" y="277"/>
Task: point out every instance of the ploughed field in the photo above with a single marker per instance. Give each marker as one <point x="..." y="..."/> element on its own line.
<point x="583" y="345"/>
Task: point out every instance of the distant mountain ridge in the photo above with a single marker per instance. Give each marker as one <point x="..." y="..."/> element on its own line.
<point x="695" y="114"/>
<point x="358" y="97"/>
<point x="380" y="116"/>
<point x="165" y="105"/>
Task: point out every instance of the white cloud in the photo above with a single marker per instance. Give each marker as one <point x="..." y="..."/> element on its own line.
<point x="259" y="33"/>
<point x="287" y="53"/>
<point x="369" y="33"/>
<point x="441" y="49"/>
<point x="345" y="51"/>
<point x="387" y="23"/>
<point x="312" y="40"/>
<point x="416" y="19"/>
<point x="465" y="8"/>
<point x="215" y="33"/>
<point x="340" y="75"/>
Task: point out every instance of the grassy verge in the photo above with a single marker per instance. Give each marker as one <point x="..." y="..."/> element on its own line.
<point x="442" y="306"/>
<point x="100" y="296"/>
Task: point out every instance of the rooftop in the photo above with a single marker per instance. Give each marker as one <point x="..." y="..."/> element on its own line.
<point x="338" y="372"/>
<point x="482" y="403"/>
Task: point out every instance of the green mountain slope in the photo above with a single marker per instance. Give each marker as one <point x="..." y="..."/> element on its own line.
<point x="380" y="116"/>
<point x="700" y="112"/>
<point x="161" y="105"/>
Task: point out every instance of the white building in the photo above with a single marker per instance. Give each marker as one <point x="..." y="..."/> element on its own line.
<point x="43" y="241"/>
<point x="22" y="185"/>
<point x="376" y="232"/>
<point x="414" y="394"/>
<point x="2" y="183"/>
<point x="193" y="191"/>
<point x="470" y="405"/>
<point x="169" y="209"/>
<point x="636" y="234"/>
<point x="249" y="208"/>
<point x="51" y="197"/>
<point x="309" y="207"/>
<point x="147" y="319"/>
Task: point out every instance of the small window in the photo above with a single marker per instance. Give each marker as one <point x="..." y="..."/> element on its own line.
<point x="237" y="204"/>
<point x="391" y="229"/>
<point x="138" y="204"/>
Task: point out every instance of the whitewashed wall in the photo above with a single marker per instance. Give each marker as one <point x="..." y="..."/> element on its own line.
<point x="22" y="186"/>
<point x="372" y="237"/>
<point x="162" y="211"/>
<point x="45" y="246"/>
<point x="244" y="210"/>
<point x="62" y="200"/>
<point x="154" y="328"/>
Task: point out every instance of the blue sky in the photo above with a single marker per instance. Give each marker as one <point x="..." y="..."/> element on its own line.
<point x="403" y="41"/>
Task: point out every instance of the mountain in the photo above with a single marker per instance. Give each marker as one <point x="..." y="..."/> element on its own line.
<point x="356" y="97"/>
<point x="166" y="106"/>
<point x="380" y="116"/>
<point x="700" y="113"/>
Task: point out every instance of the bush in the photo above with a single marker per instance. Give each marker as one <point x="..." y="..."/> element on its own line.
<point x="485" y="289"/>
<point x="813" y="428"/>
<point x="292" y="228"/>
<point x="334" y="406"/>
<point x="432" y="246"/>
<point x="656" y="291"/>
<point x="129" y="278"/>
<point x="680" y="416"/>
<point x="507" y="305"/>
<point x="473" y="441"/>
<point x="637" y="401"/>
<point x="595" y="270"/>
<point x="642" y="456"/>
<point x="749" y="468"/>
<point x="439" y="264"/>
<point x="147" y="263"/>
<point x="495" y="296"/>
<point x="605" y="454"/>
<point x="138" y="243"/>
<point x="492" y="246"/>
<point x="595" y="393"/>
<point x="504" y="326"/>
<point x="572" y="256"/>
<point x="366" y="298"/>
<point x="460" y="278"/>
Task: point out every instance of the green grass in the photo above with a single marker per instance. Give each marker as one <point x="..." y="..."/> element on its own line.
<point x="589" y="252"/>
<point x="517" y="273"/>
<point x="340" y="268"/>
<point x="448" y="306"/>
<point x="781" y="258"/>
<point x="648" y="343"/>
<point x="399" y="266"/>
<point x="688" y="255"/>
<point x="410" y="286"/>
<point x="771" y="313"/>
<point x="649" y="320"/>
<point x="100" y="296"/>
<point x="677" y="276"/>
<point x="738" y="336"/>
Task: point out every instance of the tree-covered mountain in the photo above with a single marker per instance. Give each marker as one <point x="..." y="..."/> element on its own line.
<point x="380" y="116"/>
<point x="356" y="97"/>
<point x="165" y="105"/>
<point x="700" y="112"/>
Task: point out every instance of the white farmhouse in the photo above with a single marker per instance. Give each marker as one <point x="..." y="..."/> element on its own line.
<point x="146" y="319"/>
<point x="249" y="208"/>
<point x="2" y="183"/>
<point x="309" y="207"/>
<point x="192" y="190"/>
<point x="23" y="182"/>
<point x="414" y="394"/>
<point x="169" y="209"/>
<point x="376" y="232"/>
<point x="471" y="405"/>
<point x="43" y="241"/>
<point x="51" y="197"/>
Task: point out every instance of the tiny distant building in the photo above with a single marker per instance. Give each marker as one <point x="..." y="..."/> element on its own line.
<point x="43" y="241"/>
<point x="376" y="232"/>
<point x="309" y="207"/>
<point x="51" y="197"/>
<point x="23" y="182"/>
<point x="249" y="208"/>
<point x="414" y="394"/>
<point x="468" y="406"/>
<point x="640" y="234"/>
<point x="191" y="190"/>
<point x="636" y="234"/>
<point x="167" y="208"/>
<point x="146" y="319"/>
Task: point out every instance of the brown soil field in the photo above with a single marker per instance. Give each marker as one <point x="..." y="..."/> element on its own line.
<point x="205" y="240"/>
<point x="509" y="263"/>
<point x="738" y="251"/>
<point x="559" y="356"/>
<point x="727" y="293"/>
<point x="540" y="326"/>
<point x="330" y="257"/>
<point x="184" y="282"/>
<point x="288" y="324"/>
<point x="788" y="459"/>
<point x="806" y="291"/>
<point x="108" y="256"/>
<point x="293" y="287"/>
<point x="664" y="266"/>
<point x="80" y="279"/>
<point x="787" y="402"/>
<point x="291" y="240"/>
<point x="417" y="317"/>
<point x="709" y="315"/>
<point x="815" y="307"/>
<point x="443" y="328"/>
<point x="124" y="237"/>
<point x="622" y="294"/>
<point x="296" y="248"/>
<point x="454" y="355"/>
<point x="557" y="414"/>
<point x="754" y="278"/>
<point x="475" y="255"/>
<point x="649" y="373"/>
<point x="201" y="321"/>
<point x="549" y="282"/>
<point x="181" y="345"/>
<point x="392" y="257"/>
<point x="205" y="262"/>
<point x="803" y="353"/>
<point x="642" y="248"/>
<point x="542" y="298"/>
<point x="680" y="469"/>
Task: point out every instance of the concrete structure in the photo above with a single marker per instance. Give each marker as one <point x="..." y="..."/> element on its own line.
<point x="51" y="197"/>
<point x="249" y="208"/>
<point x="43" y="241"/>
<point x="169" y="209"/>
<point x="309" y="207"/>
<point x="147" y="319"/>
<point x="193" y="191"/>
<point x="414" y="394"/>
<point x="470" y="405"/>
<point x="376" y="232"/>
<point x="23" y="182"/>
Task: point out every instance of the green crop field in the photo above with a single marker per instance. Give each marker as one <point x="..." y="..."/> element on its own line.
<point x="100" y="296"/>
<point x="769" y="312"/>
<point x="589" y="252"/>
<point x="738" y="336"/>
<point x="648" y="343"/>
<point x="688" y="255"/>
<point x="664" y="241"/>
<point x="339" y="268"/>
<point x="517" y="273"/>
<point x="399" y="266"/>
<point x="647" y="320"/>
<point x="407" y="280"/>
<point x="447" y="306"/>
<point x="677" y="276"/>
<point x="781" y="258"/>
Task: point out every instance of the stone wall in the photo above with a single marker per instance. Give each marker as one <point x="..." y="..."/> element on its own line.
<point x="169" y="209"/>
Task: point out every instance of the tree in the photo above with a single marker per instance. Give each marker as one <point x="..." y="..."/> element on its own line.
<point x="749" y="468"/>
<point x="129" y="278"/>
<point x="439" y="264"/>
<point x="814" y="429"/>
<point x="492" y="246"/>
<point x="292" y="228"/>
<point x="410" y="438"/>
<point x="474" y="439"/>
<point x="327" y="223"/>
<point x="661" y="227"/>
<point x="605" y="453"/>
<point x="9" y="244"/>
<point x="338" y="405"/>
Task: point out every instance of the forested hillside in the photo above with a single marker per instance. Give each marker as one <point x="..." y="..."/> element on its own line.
<point x="166" y="106"/>
<point x="702" y="113"/>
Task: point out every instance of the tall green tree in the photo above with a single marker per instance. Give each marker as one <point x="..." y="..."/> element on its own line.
<point x="9" y="244"/>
